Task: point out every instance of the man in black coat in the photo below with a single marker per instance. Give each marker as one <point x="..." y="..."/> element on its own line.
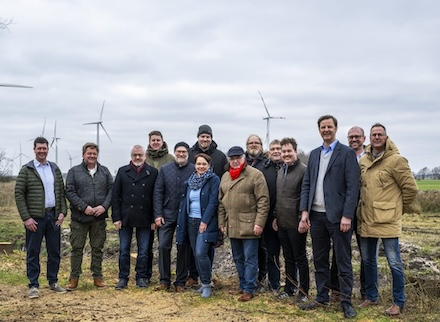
<point x="132" y="202"/>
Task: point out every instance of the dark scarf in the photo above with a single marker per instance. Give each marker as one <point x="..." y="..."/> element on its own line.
<point x="235" y="173"/>
<point x="137" y="169"/>
<point x="195" y="182"/>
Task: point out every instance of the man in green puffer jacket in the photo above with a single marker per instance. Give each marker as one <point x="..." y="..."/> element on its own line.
<point x="41" y="202"/>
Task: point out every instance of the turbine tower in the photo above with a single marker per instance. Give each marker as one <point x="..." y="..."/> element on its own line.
<point x="19" y="156"/>
<point x="99" y="124"/>
<point x="268" y="118"/>
<point x="55" y="140"/>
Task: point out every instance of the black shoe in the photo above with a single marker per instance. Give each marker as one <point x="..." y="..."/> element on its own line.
<point x="312" y="305"/>
<point x="121" y="284"/>
<point x="141" y="282"/>
<point x="349" y="312"/>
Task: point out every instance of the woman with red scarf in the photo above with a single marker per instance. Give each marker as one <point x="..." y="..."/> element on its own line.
<point x="242" y="214"/>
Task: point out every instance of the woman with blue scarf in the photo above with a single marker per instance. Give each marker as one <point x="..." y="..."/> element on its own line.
<point x="197" y="221"/>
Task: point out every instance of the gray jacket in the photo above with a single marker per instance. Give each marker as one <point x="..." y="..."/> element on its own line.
<point x="83" y="190"/>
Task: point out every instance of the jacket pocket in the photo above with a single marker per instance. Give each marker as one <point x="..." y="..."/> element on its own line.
<point x="384" y="212"/>
<point x="246" y="222"/>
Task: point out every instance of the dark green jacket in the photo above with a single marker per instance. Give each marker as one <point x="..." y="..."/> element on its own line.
<point x="29" y="192"/>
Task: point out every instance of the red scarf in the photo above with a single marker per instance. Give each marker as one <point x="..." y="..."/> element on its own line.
<point x="136" y="168"/>
<point x="235" y="173"/>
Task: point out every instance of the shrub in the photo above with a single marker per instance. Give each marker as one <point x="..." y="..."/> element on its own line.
<point x="427" y="201"/>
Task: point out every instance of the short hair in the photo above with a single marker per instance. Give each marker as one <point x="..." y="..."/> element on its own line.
<point x="137" y="146"/>
<point x="276" y="141"/>
<point x="259" y="139"/>
<point x="357" y="128"/>
<point x="204" y="156"/>
<point x="289" y="141"/>
<point x="326" y="117"/>
<point x="379" y="125"/>
<point x="90" y="145"/>
<point x="155" y="132"/>
<point x="40" y="140"/>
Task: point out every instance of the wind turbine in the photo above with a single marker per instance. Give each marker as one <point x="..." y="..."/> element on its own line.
<point x="42" y="132"/>
<point x="98" y="124"/>
<point x="19" y="156"/>
<point x="268" y="118"/>
<point x="55" y="140"/>
<point x="70" y="158"/>
<point x="13" y="85"/>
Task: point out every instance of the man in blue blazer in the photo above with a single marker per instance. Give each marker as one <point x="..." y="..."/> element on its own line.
<point x="329" y="198"/>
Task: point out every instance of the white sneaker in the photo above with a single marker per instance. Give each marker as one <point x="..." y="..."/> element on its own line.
<point x="55" y="287"/>
<point x="34" y="293"/>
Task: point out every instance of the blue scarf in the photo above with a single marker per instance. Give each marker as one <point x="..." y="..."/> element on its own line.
<point x="195" y="182"/>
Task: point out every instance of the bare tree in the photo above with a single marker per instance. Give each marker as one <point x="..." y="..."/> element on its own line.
<point x="5" y="167"/>
<point x="4" y="23"/>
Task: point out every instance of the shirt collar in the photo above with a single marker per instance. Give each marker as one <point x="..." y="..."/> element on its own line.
<point x="330" y="148"/>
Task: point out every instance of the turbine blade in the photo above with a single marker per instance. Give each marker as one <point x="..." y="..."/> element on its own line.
<point x="267" y="111"/>
<point x="44" y="127"/>
<point x="102" y="111"/>
<point x="106" y="132"/>
<point x="14" y="85"/>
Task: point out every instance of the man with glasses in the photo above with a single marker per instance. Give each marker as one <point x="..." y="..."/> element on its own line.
<point x="168" y="189"/>
<point x="132" y="209"/>
<point x="243" y="208"/>
<point x="387" y="188"/>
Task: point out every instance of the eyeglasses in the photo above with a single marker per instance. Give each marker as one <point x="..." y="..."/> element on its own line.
<point x="254" y="143"/>
<point x="351" y="137"/>
<point x="137" y="155"/>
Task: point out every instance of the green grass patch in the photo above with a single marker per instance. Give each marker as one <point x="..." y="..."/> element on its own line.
<point x="426" y="185"/>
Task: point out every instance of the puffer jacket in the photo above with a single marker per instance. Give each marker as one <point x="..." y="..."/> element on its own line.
<point x="387" y="187"/>
<point x="243" y="203"/>
<point x="29" y="192"/>
<point x="83" y="190"/>
<point x="158" y="158"/>
<point x="289" y="183"/>
<point x="208" y="204"/>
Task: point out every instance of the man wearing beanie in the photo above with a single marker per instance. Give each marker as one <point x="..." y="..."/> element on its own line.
<point x="168" y="189"/>
<point x="205" y="144"/>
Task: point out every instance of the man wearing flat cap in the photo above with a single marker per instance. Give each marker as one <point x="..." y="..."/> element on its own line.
<point x="242" y="214"/>
<point x="205" y="144"/>
<point x="168" y="189"/>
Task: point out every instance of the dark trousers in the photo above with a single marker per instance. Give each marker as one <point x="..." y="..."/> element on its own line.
<point x="46" y="228"/>
<point x="262" y="259"/>
<point x="165" y="237"/>
<point x="334" y="281"/>
<point x="323" y="233"/>
<point x="273" y="257"/>
<point x="295" y="256"/>
<point x="150" y="255"/>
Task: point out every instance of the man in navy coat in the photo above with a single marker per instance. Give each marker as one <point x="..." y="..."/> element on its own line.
<point x="329" y="197"/>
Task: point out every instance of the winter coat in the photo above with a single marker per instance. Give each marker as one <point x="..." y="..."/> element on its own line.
<point x="270" y="169"/>
<point x="243" y="203"/>
<point x="209" y="205"/>
<point x="132" y="196"/>
<point x="83" y="190"/>
<point x="158" y="158"/>
<point x="387" y="187"/>
<point x="218" y="158"/>
<point x="169" y="189"/>
<point x="289" y="194"/>
<point x="30" y="196"/>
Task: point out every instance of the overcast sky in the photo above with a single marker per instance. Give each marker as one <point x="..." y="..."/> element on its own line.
<point x="174" y="65"/>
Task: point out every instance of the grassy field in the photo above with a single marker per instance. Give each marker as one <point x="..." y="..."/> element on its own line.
<point x="425" y="185"/>
<point x="89" y="304"/>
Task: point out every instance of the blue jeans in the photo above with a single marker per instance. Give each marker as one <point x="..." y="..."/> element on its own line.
<point x="46" y="228"/>
<point x="203" y="251"/>
<point x="142" y="240"/>
<point x="369" y="248"/>
<point x="245" y="254"/>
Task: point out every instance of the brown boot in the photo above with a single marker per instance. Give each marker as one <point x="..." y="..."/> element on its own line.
<point x="99" y="283"/>
<point x="73" y="284"/>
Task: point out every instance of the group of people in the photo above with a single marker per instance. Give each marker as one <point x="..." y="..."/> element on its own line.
<point x="262" y="202"/>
